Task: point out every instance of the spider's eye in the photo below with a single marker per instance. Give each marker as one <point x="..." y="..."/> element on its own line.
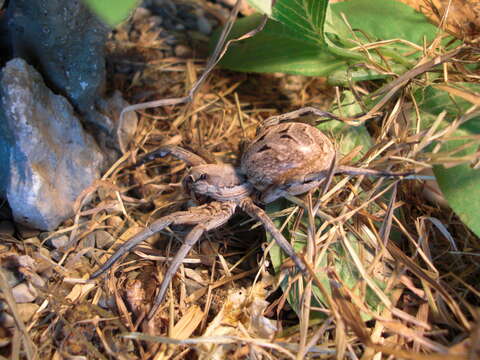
<point x="203" y="177"/>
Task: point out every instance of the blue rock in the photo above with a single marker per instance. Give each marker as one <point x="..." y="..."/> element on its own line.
<point x="66" y="44"/>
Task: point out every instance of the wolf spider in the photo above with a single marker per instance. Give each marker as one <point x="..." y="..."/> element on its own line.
<point x="284" y="159"/>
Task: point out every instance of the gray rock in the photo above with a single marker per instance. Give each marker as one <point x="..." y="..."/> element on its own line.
<point x="59" y="241"/>
<point x="46" y="158"/>
<point x="203" y="24"/>
<point x="24" y="293"/>
<point x="65" y="42"/>
<point x="183" y="51"/>
<point x="103" y="239"/>
<point x="13" y="277"/>
<point x="140" y="13"/>
<point x="121" y="133"/>
<point x="27" y="310"/>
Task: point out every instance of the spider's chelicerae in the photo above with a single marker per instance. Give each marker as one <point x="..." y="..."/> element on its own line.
<point x="284" y="159"/>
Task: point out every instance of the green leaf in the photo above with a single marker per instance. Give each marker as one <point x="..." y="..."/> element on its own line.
<point x="262" y="6"/>
<point x="386" y="20"/>
<point x="277" y="49"/>
<point x="335" y="257"/>
<point x="304" y="18"/>
<point x="309" y="37"/>
<point x="113" y="12"/>
<point x="460" y="184"/>
<point x="347" y="137"/>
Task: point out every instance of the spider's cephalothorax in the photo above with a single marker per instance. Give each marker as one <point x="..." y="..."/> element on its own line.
<point x="284" y="159"/>
<point x="216" y="181"/>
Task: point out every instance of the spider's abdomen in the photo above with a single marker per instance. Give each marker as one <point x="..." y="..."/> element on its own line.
<point x="284" y="154"/>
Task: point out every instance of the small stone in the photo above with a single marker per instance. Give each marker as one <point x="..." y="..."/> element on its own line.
<point x="140" y="14"/>
<point x="115" y="222"/>
<point x="56" y="255"/>
<point x="182" y="51"/>
<point x="13" y="277"/>
<point x="179" y="27"/>
<point x="35" y="279"/>
<point x="6" y="320"/>
<point x="26" y="311"/>
<point x="106" y="302"/>
<point x="44" y="264"/>
<point x="156" y="20"/>
<point x="6" y="228"/>
<point x="203" y="25"/>
<point x="59" y="241"/>
<point x="103" y="239"/>
<point x="27" y="232"/>
<point x="112" y="107"/>
<point x="5" y="337"/>
<point x="24" y="293"/>
<point x="89" y="241"/>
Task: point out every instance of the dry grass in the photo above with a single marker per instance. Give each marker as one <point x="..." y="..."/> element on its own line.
<point x="224" y="300"/>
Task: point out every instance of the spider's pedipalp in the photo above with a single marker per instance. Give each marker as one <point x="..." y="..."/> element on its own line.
<point x="257" y="213"/>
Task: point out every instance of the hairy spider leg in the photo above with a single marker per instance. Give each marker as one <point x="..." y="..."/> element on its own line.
<point x="216" y="220"/>
<point x="256" y="212"/>
<point x="137" y="239"/>
<point x="354" y="171"/>
<point x="180" y="153"/>
<point x="190" y="217"/>
<point x="204" y="218"/>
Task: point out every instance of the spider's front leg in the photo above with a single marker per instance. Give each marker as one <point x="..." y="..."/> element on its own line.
<point x="256" y="212"/>
<point x="203" y="218"/>
<point x="218" y="214"/>
<point x="355" y="171"/>
<point x="190" y="158"/>
<point x="277" y="119"/>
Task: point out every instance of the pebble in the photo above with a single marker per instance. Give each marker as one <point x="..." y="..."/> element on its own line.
<point x="26" y="311"/>
<point x="89" y="241"/>
<point x="156" y="20"/>
<point x="183" y="51"/>
<point x="103" y="239"/>
<point x="179" y="27"/>
<point x="203" y="25"/>
<point x="24" y="293"/>
<point x="6" y="320"/>
<point x="140" y="14"/>
<point x="115" y="222"/>
<point x="59" y="241"/>
<point x="7" y="228"/>
<point x="13" y="277"/>
<point x="5" y="336"/>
